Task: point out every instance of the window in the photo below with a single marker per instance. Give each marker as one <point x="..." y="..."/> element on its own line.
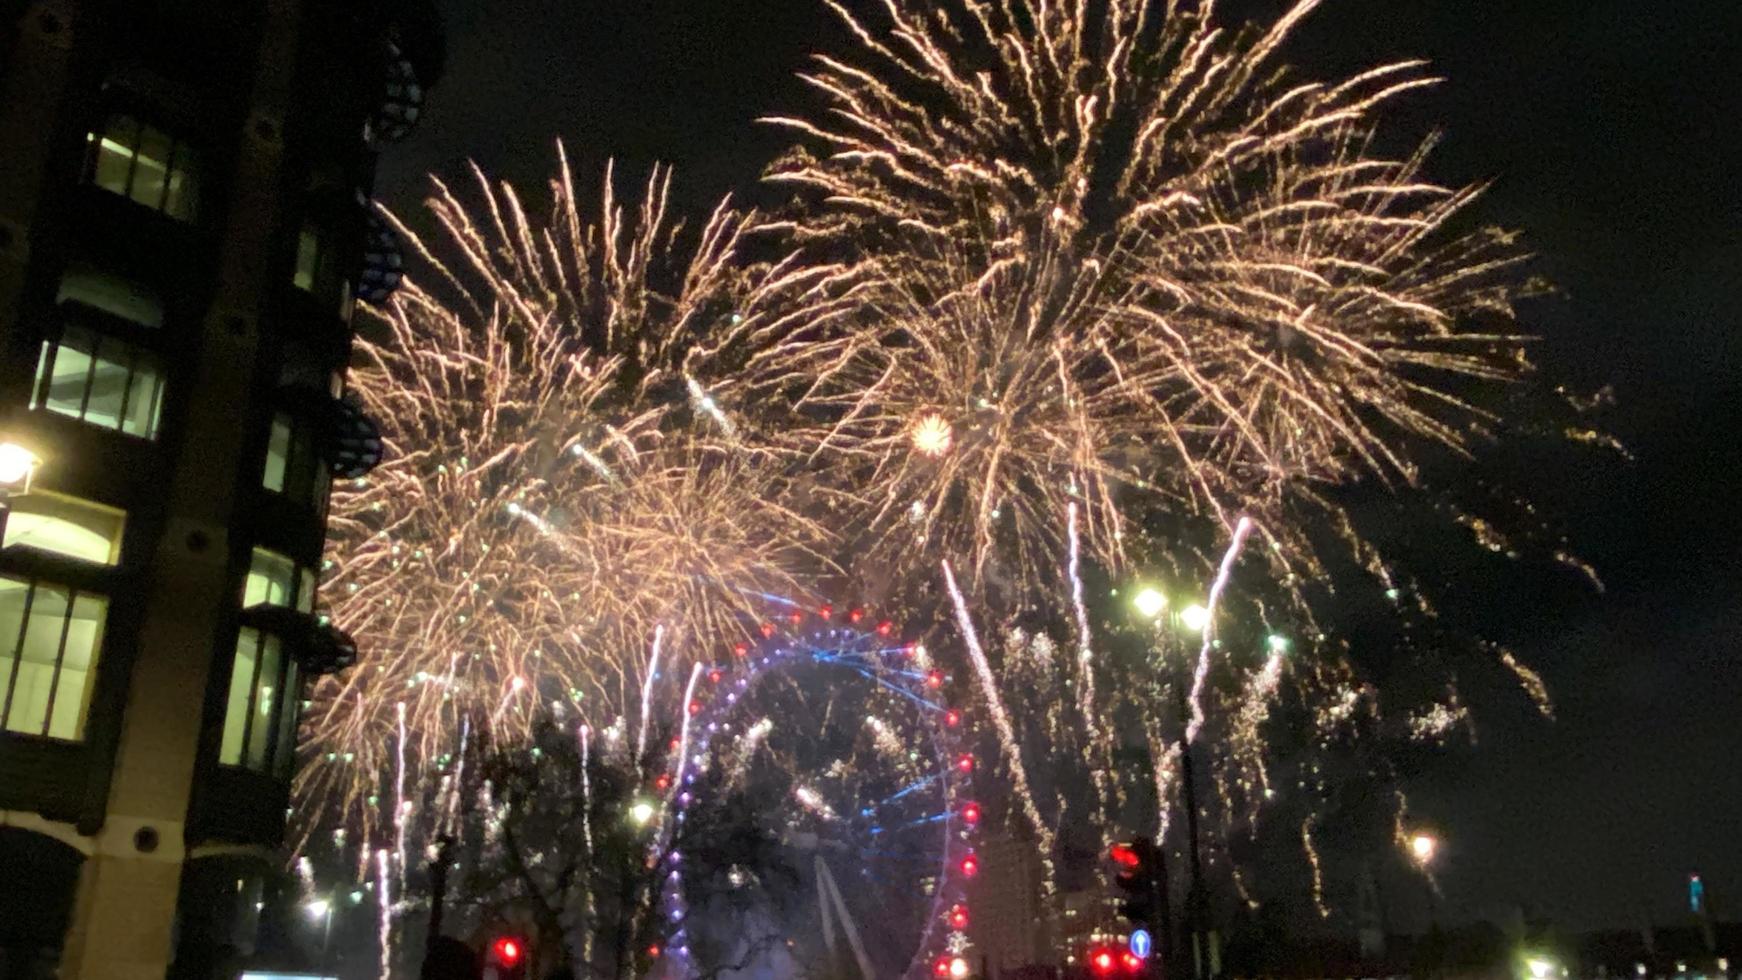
<point x="260" y="712"/>
<point x="143" y="163"/>
<point x="274" y="580"/>
<point x="292" y="466"/>
<point x="100" y="380"/>
<point x="318" y="271"/>
<point x="50" y="636"/>
<point x="114" y="295"/>
<point x="64" y="526"/>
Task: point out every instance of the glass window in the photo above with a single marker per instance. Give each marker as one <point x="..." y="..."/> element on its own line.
<point x="277" y="453"/>
<point x="114" y="295"/>
<point x="64" y="526"/>
<point x="274" y="580"/>
<point x="308" y="259"/>
<point x="261" y="707"/>
<point x="50" y="639"/>
<point x="144" y="163"/>
<point x="100" y="380"/>
<point x="292" y="466"/>
<point x="318" y="270"/>
<point x="271" y="580"/>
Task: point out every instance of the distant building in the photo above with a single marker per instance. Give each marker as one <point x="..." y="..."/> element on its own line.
<point x="183" y="229"/>
<point x="1009" y="924"/>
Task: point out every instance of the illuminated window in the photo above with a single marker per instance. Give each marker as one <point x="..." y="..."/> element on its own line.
<point x="318" y="270"/>
<point x="145" y="164"/>
<point x="113" y="295"/>
<point x="274" y="580"/>
<point x="64" y="526"/>
<point x="50" y="637"/>
<point x="260" y="711"/>
<point x="100" y="380"/>
<point x="292" y="466"/>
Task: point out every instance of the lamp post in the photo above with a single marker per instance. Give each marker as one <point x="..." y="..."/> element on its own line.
<point x="1424" y="846"/>
<point x="1153" y="605"/>
<point x="322" y="909"/>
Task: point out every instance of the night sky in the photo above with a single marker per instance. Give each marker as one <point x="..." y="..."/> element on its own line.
<point x="1611" y="130"/>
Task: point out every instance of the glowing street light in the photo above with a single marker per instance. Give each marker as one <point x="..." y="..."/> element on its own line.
<point x="317" y="908"/>
<point x="1194" y="617"/>
<point x="641" y="812"/>
<point x="1278" y="643"/>
<point x="1149" y="603"/>
<point x="17" y="467"/>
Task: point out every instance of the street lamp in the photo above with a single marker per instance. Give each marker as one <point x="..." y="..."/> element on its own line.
<point x="1150" y="603"/>
<point x="1194" y="618"/>
<point x="641" y="812"/>
<point x="322" y="909"/>
<point x="17" y="467"/>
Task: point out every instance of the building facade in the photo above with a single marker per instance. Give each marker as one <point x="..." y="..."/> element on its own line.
<point x="184" y="226"/>
<point x="1010" y="927"/>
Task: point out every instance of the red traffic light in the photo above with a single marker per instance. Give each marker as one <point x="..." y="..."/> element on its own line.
<point x="1125" y="856"/>
<point x="507" y="951"/>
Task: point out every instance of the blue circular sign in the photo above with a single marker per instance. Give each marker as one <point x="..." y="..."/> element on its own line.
<point x="1140" y="943"/>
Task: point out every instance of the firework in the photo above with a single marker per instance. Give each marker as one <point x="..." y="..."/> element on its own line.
<point x="553" y="504"/>
<point x="1099" y="251"/>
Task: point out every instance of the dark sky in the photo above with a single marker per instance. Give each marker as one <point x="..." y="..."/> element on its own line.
<point x="1611" y="130"/>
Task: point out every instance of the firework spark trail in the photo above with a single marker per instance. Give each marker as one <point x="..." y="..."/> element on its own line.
<point x="683" y="741"/>
<point x="1241" y="531"/>
<point x="1098" y="246"/>
<point x="451" y="812"/>
<point x="747" y="747"/>
<point x="384" y="901"/>
<point x="1086" y="670"/>
<point x="548" y="493"/>
<point x="1246" y="739"/>
<point x="1312" y="853"/>
<point x="647" y="696"/>
<point x="588" y="909"/>
<point x="1006" y="734"/>
<point x="400" y="803"/>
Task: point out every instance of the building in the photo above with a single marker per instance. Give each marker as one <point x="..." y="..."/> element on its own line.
<point x="184" y="224"/>
<point x="1009" y="924"/>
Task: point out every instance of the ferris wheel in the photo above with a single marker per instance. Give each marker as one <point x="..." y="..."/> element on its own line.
<point x="839" y="728"/>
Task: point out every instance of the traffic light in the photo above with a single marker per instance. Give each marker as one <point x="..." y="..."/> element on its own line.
<point x="1139" y="877"/>
<point x="506" y="958"/>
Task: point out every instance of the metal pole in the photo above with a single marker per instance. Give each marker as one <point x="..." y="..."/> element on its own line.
<point x="438" y="884"/>
<point x="1195" y="894"/>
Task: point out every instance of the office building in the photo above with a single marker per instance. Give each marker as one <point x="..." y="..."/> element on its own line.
<point x="184" y="226"/>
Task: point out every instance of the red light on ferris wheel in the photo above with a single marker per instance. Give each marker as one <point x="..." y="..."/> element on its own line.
<point x="958" y="917"/>
<point x="970" y="866"/>
<point x="885" y="628"/>
<point x="971" y="814"/>
<point x="965" y="762"/>
<point x="952" y="718"/>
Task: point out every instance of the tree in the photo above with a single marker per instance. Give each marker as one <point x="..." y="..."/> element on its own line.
<point x="566" y="841"/>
